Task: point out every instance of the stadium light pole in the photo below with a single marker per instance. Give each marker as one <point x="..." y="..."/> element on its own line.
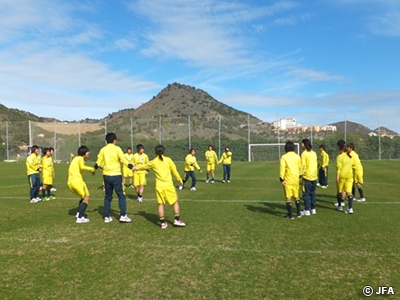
<point x="8" y="149"/>
<point x="189" y="133"/>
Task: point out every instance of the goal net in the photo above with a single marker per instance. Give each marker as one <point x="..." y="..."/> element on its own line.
<point x="265" y="152"/>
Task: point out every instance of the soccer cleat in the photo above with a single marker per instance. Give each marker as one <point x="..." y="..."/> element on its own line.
<point x="212" y="181"/>
<point x="53" y="189"/>
<point x="288" y="217"/>
<point x="313" y="211"/>
<point x="305" y="213"/>
<point x="339" y="208"/>
<point x="125" y="219"/>
<point x="179" y="223"/>
<point x="164" y="225"/>
<point x="223" y="181"/>
<point x="324" y="186"/>
<point x="318" y="184"/>
<point x="207" y="180"/>
<point x="180" y="187"/>
<point x="34" y="200"/>
<point x="342" y="204"/>
<point x="108" y="219"/>
<point x="349" y="211"/>
<point x="361" y="200"/>
<point x="46" y="198"/>
<point x="229" y="181"/>
<point x="140" y="199"/>
<point x="82" y="220"/>
<point x="192" y="188"/>
<point x="77" y="215"/>
<point x="38" y="199"/>
<point x="299" y="216"/>
<point x="53" y="197"/>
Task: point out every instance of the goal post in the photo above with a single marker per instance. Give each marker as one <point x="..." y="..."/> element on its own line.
<point x="279" y="145"/>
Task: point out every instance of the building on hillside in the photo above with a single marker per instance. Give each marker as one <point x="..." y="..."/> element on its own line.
<point x="288" y="124"/>
<point x="329" y="128"/>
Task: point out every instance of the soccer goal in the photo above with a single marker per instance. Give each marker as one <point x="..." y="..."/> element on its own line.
<point x="260" y="152"/>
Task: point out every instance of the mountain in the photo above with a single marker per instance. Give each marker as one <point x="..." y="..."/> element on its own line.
<point x="12" y="114"/>
<point x="351" y="127"/>
<point x="385" y="132"/>
<point x="176" y="103"/>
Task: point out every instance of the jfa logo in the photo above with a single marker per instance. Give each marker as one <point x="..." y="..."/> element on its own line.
<point x="381" y="290"/>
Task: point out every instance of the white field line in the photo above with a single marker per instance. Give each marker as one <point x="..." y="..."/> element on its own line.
<point x="195" y="200"/>
<point x="65" y="240"/>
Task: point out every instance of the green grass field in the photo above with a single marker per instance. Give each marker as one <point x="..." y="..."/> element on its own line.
<point x="236" y="244"/>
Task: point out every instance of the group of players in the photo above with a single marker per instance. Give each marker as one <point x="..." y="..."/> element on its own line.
<point x="313" y="172"/>
<point x="135" y="169"/>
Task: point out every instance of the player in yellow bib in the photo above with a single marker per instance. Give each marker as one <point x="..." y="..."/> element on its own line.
<point x="212" y="159"/>
<point x="309" y="162"/>
<point x="139" y="177"/>
<point x="47" y="175"/>
<point x="128" y="173"/>
<point x="226" y="160"/>
<point x="163" y="166"/>
<point x="289" y="175"/>
<point x="358" y="172"/>
<point x="323" y="166"/>
<point x="33" y="169"/>
<point x="344" y="177"/>
<point x="76" y="183"/>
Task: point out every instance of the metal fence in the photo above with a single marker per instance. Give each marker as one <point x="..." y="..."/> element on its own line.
<point x="176" y="134"/>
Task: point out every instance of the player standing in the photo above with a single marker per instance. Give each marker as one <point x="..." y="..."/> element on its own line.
<point x="190" y="165"/>
<point x="33" y="169"/>
<point x="309" y="163"/>
<point x="358" y="172"/>
<point x="139" y="177"/>
<point x="289" y="176"/>
<point x="163" y="166"/>
<point x="77" y="185"/>
<point x="323" y="166"/>
<point x="47" y="175"/>
<point x="128" y="173"/>
<point x="344" y="177"/>
<point x="211" y="158"/>
<point x="226" y="160"/>
<point x="110" y="158"/>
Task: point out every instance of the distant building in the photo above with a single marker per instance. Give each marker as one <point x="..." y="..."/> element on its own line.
<point x="288" y="124"/>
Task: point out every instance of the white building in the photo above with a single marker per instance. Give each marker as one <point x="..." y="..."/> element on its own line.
<point x="285" y="124"/>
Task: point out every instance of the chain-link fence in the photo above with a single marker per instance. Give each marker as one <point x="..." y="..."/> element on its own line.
<point x="178" y="135"/>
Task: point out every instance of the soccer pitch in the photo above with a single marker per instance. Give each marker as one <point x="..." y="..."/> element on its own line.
<point x="236" y="244"/>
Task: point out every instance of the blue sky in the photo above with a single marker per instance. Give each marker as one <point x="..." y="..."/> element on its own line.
<point x="318" y="61"/>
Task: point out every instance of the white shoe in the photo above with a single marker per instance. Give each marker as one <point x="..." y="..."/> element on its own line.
<point x="229" y="181"/>
<point x="361" y="200"/>
<point x="34" y="200"/>
<point x="53" y="190"/>
<point x="318" y="184"/>
<point x="82" y="220"/>
<point x="223" y="181"/>
<point x="180" y="187"/>
<point x="349" y="211"/>
<point x="38" y="199"/>
<point x="108" y="219"/>
<point x="212" y="181"/>
<point x="207" y="180"/>
<point x="125" y="219"/>
<point x="164" y="225"/>
<point x="339" y="208"/>
<point x="343" y="204"/>
<point x="305" y="213"/>
<point x="193" y="189"/>
<point x="77" y="215"/>
<point x="313" y="211"/>
<point x="179" y="223"/>
<point x="140" y="199"/>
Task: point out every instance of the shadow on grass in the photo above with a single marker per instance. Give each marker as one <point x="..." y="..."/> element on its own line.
<point x="152" y="218"/>
<point x="275" y="209"/>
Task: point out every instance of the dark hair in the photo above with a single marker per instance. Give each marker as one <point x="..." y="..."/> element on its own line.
<point x="51" y="148"/>
<point x="82" y="150"/>
<point x="191" y="149"/>
<point x="226" y="148"/>
<point x="307" y="144"/>
<point x="110" y="137"/>
<point x="351" y="146"/>
<point x="34" y="147"/>
<point x="139" y="146"/>
<point x="341" y="144"/>
<point x="128" y="148"/>
<point x="160" y="151"/>
<point x="45" y="150"/>
<point x="289" y="146"/>
<point x="322" y="146"/>
<point x="210" y="146"/>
